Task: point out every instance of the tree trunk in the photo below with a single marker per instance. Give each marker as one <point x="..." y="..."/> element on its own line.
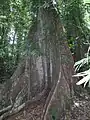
<point x="56" y="69"/>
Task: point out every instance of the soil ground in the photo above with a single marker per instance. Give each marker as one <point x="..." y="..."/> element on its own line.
<point x="80" y="110"/>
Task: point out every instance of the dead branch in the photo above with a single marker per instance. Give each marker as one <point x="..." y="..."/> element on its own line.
<point x="5" y="109"/>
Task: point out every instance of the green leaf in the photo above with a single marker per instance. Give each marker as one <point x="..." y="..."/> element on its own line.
<point x="81" y="63"/>
<point x="84" y="80"/>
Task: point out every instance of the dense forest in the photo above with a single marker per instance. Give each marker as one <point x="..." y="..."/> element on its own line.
<point x="44" y="60"/>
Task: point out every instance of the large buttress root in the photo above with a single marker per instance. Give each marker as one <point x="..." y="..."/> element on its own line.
<point x="48" y="74"/>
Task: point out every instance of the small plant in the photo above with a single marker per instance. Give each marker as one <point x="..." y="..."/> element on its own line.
<point x="53" y="113"/>
<point x="85" y="75"/>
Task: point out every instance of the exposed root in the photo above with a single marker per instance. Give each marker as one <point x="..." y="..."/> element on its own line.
<point x="9" y="111"/>
<point x="5" y="109"/>
<point x="49" y="99"/>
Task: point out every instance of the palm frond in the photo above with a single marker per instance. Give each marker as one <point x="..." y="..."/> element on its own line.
<point x="81" y="63"/>
<point x="85" y="79"/>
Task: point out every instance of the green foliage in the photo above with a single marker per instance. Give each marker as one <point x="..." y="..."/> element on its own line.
<point x="54" y="113"/>
<point x="73" y="14"/>
<point x="15" y="20"/>
<point x="79" y="64"/>
<point x="85" y="75"/>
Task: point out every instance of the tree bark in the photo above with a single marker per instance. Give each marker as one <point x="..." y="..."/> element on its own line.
<point x="57" y="70"/>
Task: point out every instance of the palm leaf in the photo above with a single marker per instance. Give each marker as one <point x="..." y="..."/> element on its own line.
<point x="84" y="80"/>
<point x="81" y="63"/>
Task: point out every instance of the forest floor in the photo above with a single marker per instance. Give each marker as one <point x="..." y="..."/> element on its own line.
<point x="81" y="107"/>
<point x="31" y="112"/>
<point x="80" y="110"/>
